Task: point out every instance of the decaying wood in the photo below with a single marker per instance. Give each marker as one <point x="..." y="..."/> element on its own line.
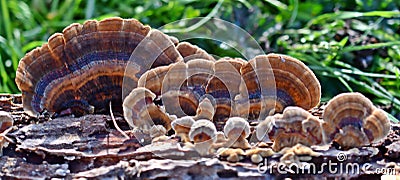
<point x="91" y="147"/>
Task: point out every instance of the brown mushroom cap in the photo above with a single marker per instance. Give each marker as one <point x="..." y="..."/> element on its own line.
<point x="203" y="130"/>
<point x="236" y="127"/>
<point x="84" y="66"/>
<point x="190" y="52"/>
<point x="183" y="124"/>
<point x="224" y="86"/>
<point x="354" y="112"/>
<point x="153" y="79"/>
<point x="295" y="125"/>
<point x="206" y="109"/>
<point x="295" y="83"/>
<point x="140" y="110"/>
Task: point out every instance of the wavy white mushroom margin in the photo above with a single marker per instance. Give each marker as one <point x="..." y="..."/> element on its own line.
<point x="224" y="32"/>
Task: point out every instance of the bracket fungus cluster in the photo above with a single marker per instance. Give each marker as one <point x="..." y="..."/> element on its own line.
<point x="176" y="85"/>
<point x="349" y="119"/>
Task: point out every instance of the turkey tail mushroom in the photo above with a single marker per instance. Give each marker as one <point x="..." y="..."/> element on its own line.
<point x="82" y="69"/>
<point x="293" y="84"/>
<point x="352" y="120"/>
<point x="141" y="112"/>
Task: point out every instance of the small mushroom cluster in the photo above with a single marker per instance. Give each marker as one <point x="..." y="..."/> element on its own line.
<point x="349" y="119"/>
<point x="205" y="136"/>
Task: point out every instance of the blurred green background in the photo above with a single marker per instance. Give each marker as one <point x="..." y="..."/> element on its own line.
<point x="350" y="45"/>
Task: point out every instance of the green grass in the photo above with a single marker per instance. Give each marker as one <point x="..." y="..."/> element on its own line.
<point x="351" y="45"/>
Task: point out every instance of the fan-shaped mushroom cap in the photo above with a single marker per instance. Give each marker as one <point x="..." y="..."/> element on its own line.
<point x="356" y="113"/>
<point x="182" y="126"/>
<point x="190" y="52"/>
<point x="237" y="130"/>
<point x="199" y="73"/>
<point x="236" y="127"/>
<point x="153" y="79"/>
<point x="295" y="125"/>
<point x="258" y="85"/>
<point x="295" y="83"/>
<point x="203" y="134"/>
<point x="202" y="130"/>
<point x="141" y="112"/>
<point x="82" y="69"/>
<point x="224" y="86"/>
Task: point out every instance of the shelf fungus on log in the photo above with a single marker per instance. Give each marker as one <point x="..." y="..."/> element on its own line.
<point x="352" y="120"/>
<point x="141" y="112"/>
<point x="203" y="134"/>
<point x="274" y="82"/>
<point x="82" y="69"/>
<point x="294" y="126"/>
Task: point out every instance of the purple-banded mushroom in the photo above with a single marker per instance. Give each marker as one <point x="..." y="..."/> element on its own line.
<point x="294" y="126"/>
<point x="203" y="134"/>
<point x="82" y="69"/>
<point x="274" y="82"/>
<point x="237" y="130"/>
<point x="224" y="86"/>
<point x="352" y="120"/>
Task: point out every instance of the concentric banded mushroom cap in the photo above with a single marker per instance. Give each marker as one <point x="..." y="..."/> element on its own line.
<point x="153" y="79"/>
<point x="376" y="125"/>
<point x="356" y="111"/>
<point x="296" y="84"/>
<point x="258" y="85"/>
<point x="190" y="52"/>
<point x="199" y="73"/>
<point x="84" y="67"/>
<point x="203" y="130"/>
<point x="224" y="86"/>
<point x="236" y="127"/>
<point x="141" y="112"/>
<point x="351" y="136"/>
